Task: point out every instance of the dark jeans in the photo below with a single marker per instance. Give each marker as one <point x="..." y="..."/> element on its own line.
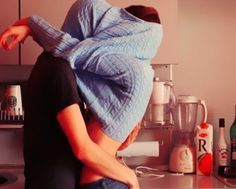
<point x="104" y="183"/>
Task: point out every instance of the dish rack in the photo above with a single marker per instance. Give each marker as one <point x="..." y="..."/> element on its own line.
<point x="11" y="119"/>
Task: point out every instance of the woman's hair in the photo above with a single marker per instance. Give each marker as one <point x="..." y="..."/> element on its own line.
<point x="148" y="14"/>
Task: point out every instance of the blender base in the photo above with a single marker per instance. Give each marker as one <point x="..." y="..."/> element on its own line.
<point x="182" y="159"/>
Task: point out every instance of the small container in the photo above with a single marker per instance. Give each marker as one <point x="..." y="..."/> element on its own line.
<point x="12" y="100"/>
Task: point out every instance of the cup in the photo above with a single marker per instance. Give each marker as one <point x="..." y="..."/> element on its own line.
<point x="160" y="99"/>
<point x="12" y="100"/>
<point x="160" y="93"/>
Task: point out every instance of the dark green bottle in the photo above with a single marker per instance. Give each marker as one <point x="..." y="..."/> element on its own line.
<point x="233" y="142"/>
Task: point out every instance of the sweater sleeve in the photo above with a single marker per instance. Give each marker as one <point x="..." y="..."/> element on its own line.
<point x="137" y="39"/>
<point x="50" y="38"/>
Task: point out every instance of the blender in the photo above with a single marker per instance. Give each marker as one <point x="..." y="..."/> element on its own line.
<point x="182" y="158"/>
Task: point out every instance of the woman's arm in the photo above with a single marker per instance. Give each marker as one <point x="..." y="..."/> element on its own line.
<point x="89" y="152"/>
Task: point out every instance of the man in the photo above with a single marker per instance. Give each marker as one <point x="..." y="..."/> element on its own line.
<point x="54" y="123"/>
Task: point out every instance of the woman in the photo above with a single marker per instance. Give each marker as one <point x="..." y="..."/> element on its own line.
<point x="109" y="50"/>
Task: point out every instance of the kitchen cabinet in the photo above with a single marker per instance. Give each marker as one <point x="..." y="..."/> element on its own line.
<point x="53" y="11"/>
<point x="8" y="15"/>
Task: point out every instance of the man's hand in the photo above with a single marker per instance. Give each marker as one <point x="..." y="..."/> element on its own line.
<point x="134" y="182"/>
<point x="15" y="34"/>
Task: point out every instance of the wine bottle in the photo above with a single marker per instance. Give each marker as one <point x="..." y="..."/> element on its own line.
<point x="222" y="145"/>
<point x="233" y="142"/>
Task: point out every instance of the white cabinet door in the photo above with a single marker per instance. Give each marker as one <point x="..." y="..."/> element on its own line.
<point x="53" y="11"/>
<point x="8" y="15"/>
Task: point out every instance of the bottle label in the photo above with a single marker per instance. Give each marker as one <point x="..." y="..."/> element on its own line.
<point x="233" y="149"/>
<point x="233" y="155"/>
<point x="233" y="141"/>
<point x="223" y="156"/>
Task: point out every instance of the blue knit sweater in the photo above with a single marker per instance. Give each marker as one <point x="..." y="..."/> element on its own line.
<point x="110" y="51"/>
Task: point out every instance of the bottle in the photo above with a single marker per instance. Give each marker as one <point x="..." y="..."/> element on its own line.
<point x="222" y="145"/>
<point x="204" y="149"/>
<point x="233" y="142"/>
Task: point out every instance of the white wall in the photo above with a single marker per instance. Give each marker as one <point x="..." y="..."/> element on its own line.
<point x="207" y="45"/>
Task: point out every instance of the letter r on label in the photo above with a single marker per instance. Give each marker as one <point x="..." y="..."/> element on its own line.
<point x="202" y="145"/>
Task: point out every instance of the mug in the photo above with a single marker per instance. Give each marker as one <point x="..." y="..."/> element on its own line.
<point x="12" y="100"/>
<point x="161" y="91"/>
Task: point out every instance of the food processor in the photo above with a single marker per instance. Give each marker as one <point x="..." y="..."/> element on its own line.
<point x="185" y="114"/>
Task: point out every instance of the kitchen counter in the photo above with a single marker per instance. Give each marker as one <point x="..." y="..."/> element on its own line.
<point x="168" y="181"/>
<point x="181" y="181"/>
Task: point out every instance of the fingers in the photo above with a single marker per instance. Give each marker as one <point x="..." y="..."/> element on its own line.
<point x="11" y="43"/>
<point x="7" y="39"/>
<point x="3" y="39"/>
<point x="13" y="35"/>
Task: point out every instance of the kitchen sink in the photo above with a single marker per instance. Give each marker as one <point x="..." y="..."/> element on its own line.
<point x="3" y="180"/>
<point x="7" y="178"/>
<point x="12" y="176"/>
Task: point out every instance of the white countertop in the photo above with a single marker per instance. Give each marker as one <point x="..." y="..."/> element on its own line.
<point x="168" y="181"/>
<point x="181" y="181"/>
